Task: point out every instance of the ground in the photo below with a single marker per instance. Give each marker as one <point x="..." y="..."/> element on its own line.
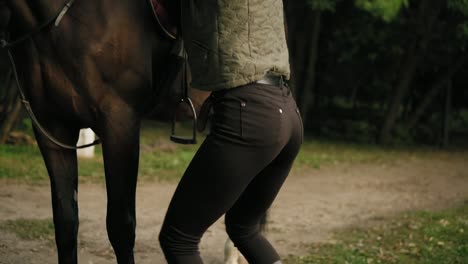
<point x="312" y="205"/>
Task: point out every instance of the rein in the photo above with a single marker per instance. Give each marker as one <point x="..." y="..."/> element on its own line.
<point x="4" y="44"/>
<point x="55" y="19"/>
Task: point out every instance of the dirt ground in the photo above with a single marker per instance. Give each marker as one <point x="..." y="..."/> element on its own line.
<point x="312" y="204"/>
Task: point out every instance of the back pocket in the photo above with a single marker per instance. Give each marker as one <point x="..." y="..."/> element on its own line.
<point x="261" y="123"/>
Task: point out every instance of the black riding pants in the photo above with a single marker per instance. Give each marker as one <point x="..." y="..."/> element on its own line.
<point x="255" y="136"/>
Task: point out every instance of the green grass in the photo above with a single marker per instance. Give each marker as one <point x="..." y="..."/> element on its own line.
<point x="160" y="159"/>
<point x="164" y="160"/>
<point x="414" y="238"/>
<point x="21" y="162"/>
<point x="30" y="229"/>
<point x="315" y="153"/>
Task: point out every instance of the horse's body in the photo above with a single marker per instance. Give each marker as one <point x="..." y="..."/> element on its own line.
<point x="96" y="69"/>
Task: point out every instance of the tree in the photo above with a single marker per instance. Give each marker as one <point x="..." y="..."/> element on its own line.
<point x="304" y="46"/>
<point x="421" y="24"/>
<point x="10" y="105"/>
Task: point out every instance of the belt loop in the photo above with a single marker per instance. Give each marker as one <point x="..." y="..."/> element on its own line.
<point x="285" y="85"/>
<point x="284" y="92"/>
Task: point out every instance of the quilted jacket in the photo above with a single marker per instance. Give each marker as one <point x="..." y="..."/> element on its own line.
<point x="233" y="42"/>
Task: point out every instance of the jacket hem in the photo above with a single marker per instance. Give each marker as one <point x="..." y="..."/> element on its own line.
<point x="231" y="84"/>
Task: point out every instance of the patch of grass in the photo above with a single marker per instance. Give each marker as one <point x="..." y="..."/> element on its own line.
<point x="161" y="159"/>
<point x="30" y="229"/>
<point x="165" y="166"/>
<point x="415" y="238"/>
<point x="92" y="170"/>
<point x="315" y="154"/>
<point x="22" y="162"/>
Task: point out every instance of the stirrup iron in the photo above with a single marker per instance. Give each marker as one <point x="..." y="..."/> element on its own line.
<point x="184" y="140"/>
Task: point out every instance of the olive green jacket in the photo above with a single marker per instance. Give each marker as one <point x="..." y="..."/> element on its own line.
<point x="234" y="42"/>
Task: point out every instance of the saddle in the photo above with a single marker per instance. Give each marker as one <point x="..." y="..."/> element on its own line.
<point x="167" y="15"/>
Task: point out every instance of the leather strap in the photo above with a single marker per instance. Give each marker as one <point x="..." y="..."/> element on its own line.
<point x="271" y="79"/>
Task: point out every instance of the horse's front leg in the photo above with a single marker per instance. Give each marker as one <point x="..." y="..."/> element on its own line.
<point x="63" y="173"/>
<point x="120" y="141"/>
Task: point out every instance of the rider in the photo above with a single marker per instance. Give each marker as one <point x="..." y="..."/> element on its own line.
<point x="236" y="49"/>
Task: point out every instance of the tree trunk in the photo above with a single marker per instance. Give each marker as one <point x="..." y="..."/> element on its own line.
<point x="8" y="124"/>
<point x="427" y="14"/>
<point x="353" y="96"/>
<point x="306" y="99"/>
<point x="300" y="62"/>
<point x="11" y="108"/>
<point x="433" y="92"/>
<point x="7" y="95"/>
<point x="298" y="17"/>
<point x="393" y="111"/>
<point x="447" y="114"/>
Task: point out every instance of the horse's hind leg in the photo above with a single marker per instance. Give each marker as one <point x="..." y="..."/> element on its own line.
<point x="63" y="173"/>
<point x="120" y="139"/>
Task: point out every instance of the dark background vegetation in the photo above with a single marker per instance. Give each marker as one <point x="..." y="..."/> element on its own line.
<point x="384" y="71"/>
<point x="374" y="71"/>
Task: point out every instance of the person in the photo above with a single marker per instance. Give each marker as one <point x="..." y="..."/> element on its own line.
<point x="236" y="49"/>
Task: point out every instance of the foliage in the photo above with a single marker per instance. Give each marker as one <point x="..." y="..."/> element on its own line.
<point x="459" y="5"/>
<point x="27" y="126"/>
<point x="366" y="48"/>
<point x="387" y="10"/>
<point x="459" y="10"/>
<point x="323" y="5"/>
<point x="427" y="237"/>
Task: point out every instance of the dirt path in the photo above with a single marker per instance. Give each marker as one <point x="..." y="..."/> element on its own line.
<point x="311" y="205"/>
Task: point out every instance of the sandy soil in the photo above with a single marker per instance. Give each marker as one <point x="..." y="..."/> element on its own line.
<point x="312" y="204"/>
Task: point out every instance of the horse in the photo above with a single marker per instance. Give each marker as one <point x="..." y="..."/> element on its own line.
<point x="100" y="65"/>
<point x="88" y="64"/>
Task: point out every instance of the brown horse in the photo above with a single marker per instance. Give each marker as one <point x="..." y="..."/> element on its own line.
<point x="99" y="67"/>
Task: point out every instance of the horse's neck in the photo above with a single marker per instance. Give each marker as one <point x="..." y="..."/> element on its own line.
<point x="29" y="14"/>
<point x="4" y="17"/>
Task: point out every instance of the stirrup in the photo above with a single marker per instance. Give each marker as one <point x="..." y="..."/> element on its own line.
<point x="183" y="140"/>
